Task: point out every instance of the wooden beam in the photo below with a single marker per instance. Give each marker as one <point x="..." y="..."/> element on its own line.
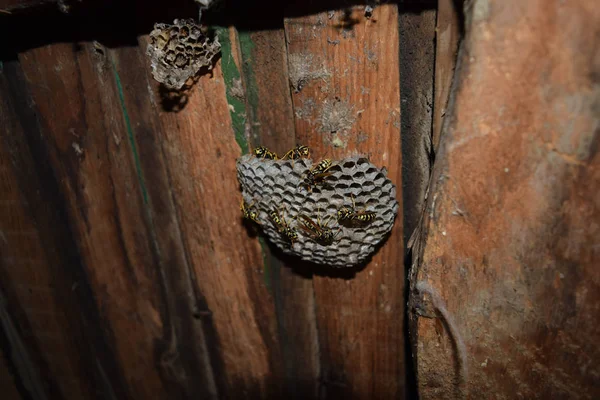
<point x="504" y="295"/>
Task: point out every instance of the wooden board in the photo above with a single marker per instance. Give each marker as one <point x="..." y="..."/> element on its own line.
<point x="448" y="31"/>
<point x="200" y="150"/>
<point x="345" y="75"/>
<point x="38" y="283"/>
<point x="417" y="55"/>
<point x="508" y="256"/>
<point x="263" y="63"/>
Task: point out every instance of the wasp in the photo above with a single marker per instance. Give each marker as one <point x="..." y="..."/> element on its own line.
<point x="299" y="151"/>
<point x="263" y="152"/>
<point x="353" y="216"/>
<point x="317" y="174"/>
<point x="248" y="212"/>
<point x="283" y="228"/>
<point x="318" y="231"/>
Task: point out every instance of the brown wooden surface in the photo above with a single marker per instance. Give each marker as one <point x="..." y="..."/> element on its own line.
<point x="348" y="66"/>
<point x="151" y="307"/>
<point x="448" y="30"/>
<point x="39" y="269"/>
<point x="263" y="63"/>
<point x="510" y="238"/>
<point x="125" y="265"/>
<point x="417" y="55"/>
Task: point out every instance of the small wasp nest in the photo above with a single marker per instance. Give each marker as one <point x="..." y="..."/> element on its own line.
<point x="177" y="52"/>
<point x="354" y="183"/>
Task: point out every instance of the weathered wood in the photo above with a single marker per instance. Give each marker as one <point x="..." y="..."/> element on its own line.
<point x="188" y="354"/>
<point x="94" y="155"/>
<point x="200" y="149"/>
<point x="417" y="54"/>
<point x="446" y="48"/>
<point x="46" y="292"/>
<point x="270" y="121"/>
<point x="510" y="239"/>
<point x="345" y="75"/>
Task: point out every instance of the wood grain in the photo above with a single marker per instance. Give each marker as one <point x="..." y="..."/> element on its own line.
<point x="448" y="31"/>
<point x="95" y="160"/>
<point x="417" y="56"/>
<point x="38" y="266"/>
<point x="200" y="150"/>
<point x="510" y="239"/>
<point x="345" y="72"/>
<point x="264" y="66"/>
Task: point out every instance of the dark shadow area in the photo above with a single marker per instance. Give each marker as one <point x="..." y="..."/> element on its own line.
<point x="417" y="79"/>
<point x="119" y="23"/>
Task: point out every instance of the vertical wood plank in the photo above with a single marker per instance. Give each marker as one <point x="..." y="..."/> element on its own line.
<point x="188" y="354"/>
<point x="264" y="68"/>
<point x="345" y="72"/>
<point x="44" y="294"/>
<point x="448" y="31"/>
<point x="417" y="58"/>
<point x="505" y="299"/>
<point x="96" y="161"/>
<point x="200" y="149"/>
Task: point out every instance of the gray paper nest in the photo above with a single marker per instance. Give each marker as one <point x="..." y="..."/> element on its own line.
<point x="272" y="185"/>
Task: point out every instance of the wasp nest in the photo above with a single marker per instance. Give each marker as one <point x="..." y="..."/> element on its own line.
<point x="269" y="185"/>
<point x="177" y="52"/>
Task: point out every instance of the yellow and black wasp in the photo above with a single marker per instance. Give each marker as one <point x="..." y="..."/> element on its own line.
<point x="263" y="152"/>
<point x="317" y="174"/>
<point x="352" y="216"/>
<point x="248" y="212"/>
<point x="297" y="152"/>
<point x="283" y="228"/>
<point x="318" y="231"/>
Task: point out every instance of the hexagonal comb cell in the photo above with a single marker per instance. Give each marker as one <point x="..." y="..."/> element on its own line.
<point x="271" y="185"/>
<point x="178" y="51"/>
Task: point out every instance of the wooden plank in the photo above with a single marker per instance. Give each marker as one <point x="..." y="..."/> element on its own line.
<point x="446" y="48"/>
<point x="417" y="58"/>
<point x="37" y="263"/>
<point x="509" y="251"/>
<point x="200" y="150"/>
<point x="344" y="70"/>
<point x="95" y="160"/>
<point x="189" y="351"/>
<point x="270" y="119"/>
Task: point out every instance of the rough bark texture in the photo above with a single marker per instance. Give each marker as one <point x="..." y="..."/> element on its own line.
<point x="509" y="252"/>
